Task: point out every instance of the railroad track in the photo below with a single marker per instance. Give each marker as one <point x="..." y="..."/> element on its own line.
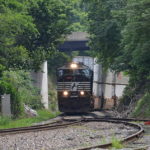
<point x="48" y="126"/>
<point x="63" y="123"/>
<point x="115" y="120"/>
<point x="127" y="139"/>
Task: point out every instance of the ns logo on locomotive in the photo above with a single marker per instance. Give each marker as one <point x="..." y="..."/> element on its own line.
<point x="74" y="87"/>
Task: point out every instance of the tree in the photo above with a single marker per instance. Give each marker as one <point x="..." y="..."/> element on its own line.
<point x="120" y="38"/>
<point x="14" y="24"/>
<point x="136" y="40"/>
<point x="120" y="35"/>
<point x="31" y="31"/>
<point x="105" y="30"/>
<point x="52" y="23"/>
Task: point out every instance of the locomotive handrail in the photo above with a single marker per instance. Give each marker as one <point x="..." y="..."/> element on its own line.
<point x="110" y="83"/>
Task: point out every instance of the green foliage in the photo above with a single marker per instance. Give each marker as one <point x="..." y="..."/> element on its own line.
<point x="53" y="100"/>
<point x="142" y="108"/>
<point x="136" y="38"/>
<point x="4" y="120"/>
<point x="104" y="30"/>
<point x="120" y="38"/>
<point x="77" y="15"/>
<point x="19" y="85"/>
<point x="116" y="143"/>
<point x="52" y="94"/>
<point x="21" y="80"/>
<point x="57" y="60"/>
<point x="43" y="115"/>
<point x="135" y="54"/>
<point x="31" y="31"/>
<point x="15" y="24"/>
<point x="52" y="23"/>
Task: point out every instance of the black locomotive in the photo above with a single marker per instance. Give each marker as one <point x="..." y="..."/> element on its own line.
<point x="74" y="86"/>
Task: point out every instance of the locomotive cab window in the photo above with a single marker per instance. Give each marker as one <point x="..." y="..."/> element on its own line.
<point x="82" y="75"/>
<point x="65" y="75"/>
<point x="74" y="75"/>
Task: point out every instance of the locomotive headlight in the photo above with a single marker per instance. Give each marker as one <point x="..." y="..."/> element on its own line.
<point x="74" y="66"/>
<point x="65" y="93"/>
<point x="82" y="93"/>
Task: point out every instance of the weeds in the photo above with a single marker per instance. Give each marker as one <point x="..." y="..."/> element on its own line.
<point x="143" y="107"/>
<point x="116" y="143"/>
<point x="4" y="120"/>
<point x="43" y="115"/>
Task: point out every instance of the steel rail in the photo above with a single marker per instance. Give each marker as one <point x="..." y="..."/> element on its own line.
<point x="123" y="119"/>
<point x="61" y="124"/>
<point x="126" y="121"/>
<point x="48" y="126"/>
<point x="128" y="138"/>
<point x="107" y="118"/>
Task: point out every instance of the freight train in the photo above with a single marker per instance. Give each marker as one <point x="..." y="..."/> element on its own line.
<point x="74" y="88"/>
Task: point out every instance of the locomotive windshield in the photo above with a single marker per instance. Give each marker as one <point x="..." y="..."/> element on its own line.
<point x="74" y="75"/>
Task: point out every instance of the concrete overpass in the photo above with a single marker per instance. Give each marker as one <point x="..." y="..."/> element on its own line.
<point x="76" y="41"/>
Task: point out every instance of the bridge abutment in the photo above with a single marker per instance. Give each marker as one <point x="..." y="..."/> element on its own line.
<point x="40" y="80"/>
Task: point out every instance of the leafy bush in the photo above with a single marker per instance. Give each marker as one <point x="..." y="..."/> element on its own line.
<point x="43" y="115"/>
<point x="53" y="100"/>
<point x="52" y="93"/>
<point x="57" y="60"/>
<point x="19" y="85"/>
<point x="116" y="143"/>
<point x="4" y="120"/>
<point x="142" y="108"/>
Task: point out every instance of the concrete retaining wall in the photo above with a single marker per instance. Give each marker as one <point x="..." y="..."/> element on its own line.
<point x="40" y="80"/>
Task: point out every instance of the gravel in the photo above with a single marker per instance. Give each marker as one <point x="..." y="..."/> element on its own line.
<point x="143" y="142"/>
<point x="70" y="138"/>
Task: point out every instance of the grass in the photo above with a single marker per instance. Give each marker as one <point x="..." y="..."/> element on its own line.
<point x="142" y="108"/>
<point x="116" y="144"/>
<point x="44" y="115"/>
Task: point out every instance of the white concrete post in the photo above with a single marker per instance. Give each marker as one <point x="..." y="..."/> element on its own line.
<point x="44" y="89"/>
<point x="41" y="81"/>
<point x="96" y="78"/>
<point x="114" y="84"/>
<point x="100" y="79"/>
<point x="97" y="86"/>
<point x="108" y="87"/>
<point x="6" y="105"/>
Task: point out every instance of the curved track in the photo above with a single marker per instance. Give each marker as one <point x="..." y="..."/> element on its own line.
<point x="131" y="137"/>
<point x="48" y="126"/>
<point x="68" y="122"/>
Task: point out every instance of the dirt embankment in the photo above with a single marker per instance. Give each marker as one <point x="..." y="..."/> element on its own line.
<point x="138" y="107"/>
